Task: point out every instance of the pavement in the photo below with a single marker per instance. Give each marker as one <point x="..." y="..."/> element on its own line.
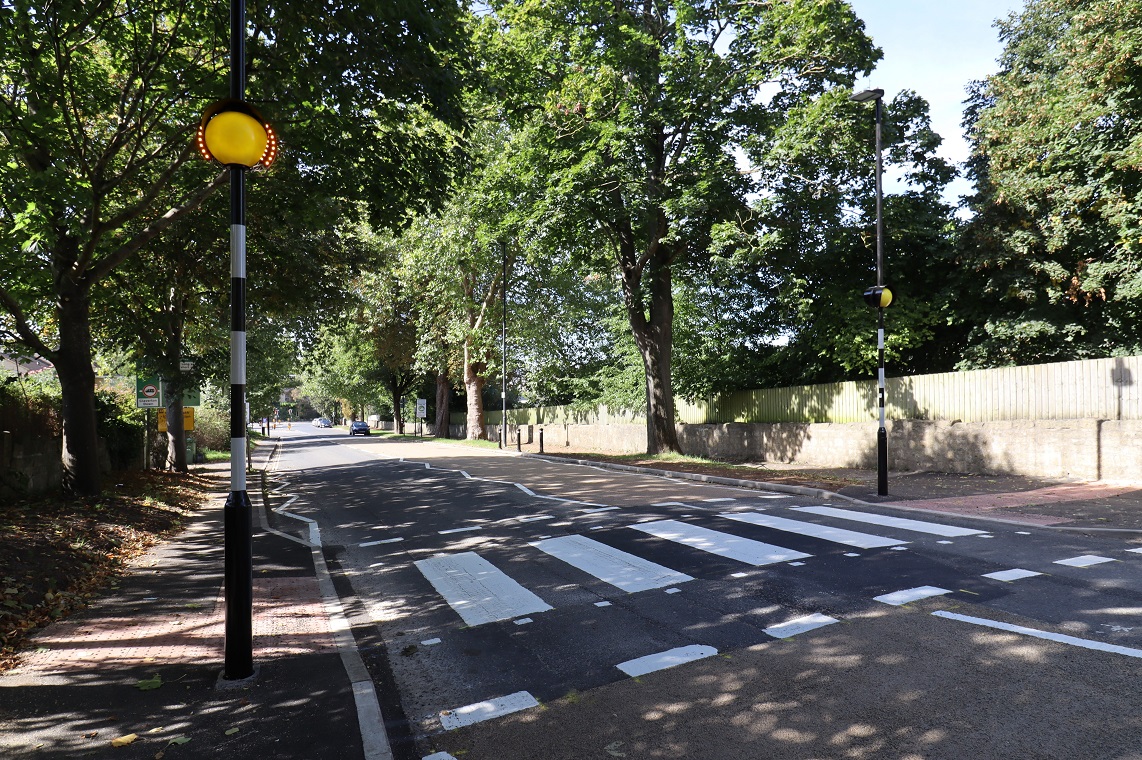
<point x="137" y="674"/>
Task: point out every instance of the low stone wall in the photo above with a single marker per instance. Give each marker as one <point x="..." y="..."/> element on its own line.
<point x="29" y="467"/>
<point x="1085" y="449"/>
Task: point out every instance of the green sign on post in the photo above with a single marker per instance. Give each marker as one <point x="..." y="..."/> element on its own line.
<point x="148" y="392"/>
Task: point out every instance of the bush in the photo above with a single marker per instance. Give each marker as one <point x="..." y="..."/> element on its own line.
<point x="30" y="406"/>
<point x="212" y="428"/>
<point x="120" y="424"/>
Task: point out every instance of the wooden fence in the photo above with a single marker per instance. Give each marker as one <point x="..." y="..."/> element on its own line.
<point x="1106" y="389"/>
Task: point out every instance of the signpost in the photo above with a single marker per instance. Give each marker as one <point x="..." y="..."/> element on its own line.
<point x="187" y="419"/>
<point x="421" y="411"/>
<point x="148" y="394"/>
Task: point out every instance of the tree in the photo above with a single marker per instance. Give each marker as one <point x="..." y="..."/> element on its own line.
<point x="98" y="101"/>
<point x="1057" y="151"/>
<point x="636" y="112"/>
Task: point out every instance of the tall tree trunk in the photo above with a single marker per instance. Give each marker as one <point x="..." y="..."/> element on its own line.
<point x="443" y="404"/>
<point x="654" y="340"/>
<point x="474" y="390"/>
<point x="80" y="459"/>
<point x="398" y="416"/>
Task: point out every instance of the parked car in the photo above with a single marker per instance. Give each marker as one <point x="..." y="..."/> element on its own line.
<point x="359" y="426"/>
<point x="323" y="422"/>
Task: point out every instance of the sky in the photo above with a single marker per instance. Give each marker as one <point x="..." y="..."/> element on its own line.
<point x="935" y="47"/>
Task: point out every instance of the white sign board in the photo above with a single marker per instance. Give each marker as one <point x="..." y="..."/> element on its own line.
<point x="421" y="408"/>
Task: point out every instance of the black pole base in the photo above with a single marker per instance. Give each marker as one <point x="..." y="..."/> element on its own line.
<point x="541" y="440"/>
<point x="239" y="587"/>
<point x="882" y="462"/>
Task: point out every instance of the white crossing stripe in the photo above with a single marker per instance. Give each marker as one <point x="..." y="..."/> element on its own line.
<point x="897" y="598"/>
<point x="1014" y="574"/>
<point x="799" y="625"/>
<point x="382" y="541"/>
<point x="1047" y="635"/>
<point x="723" y="544"/>
<point x="824" y="532"/>
<point x="1086" y="560"/>
<point x="477" y="589"/>
<point x="492" y="708"/>
<point x="1136" y="551"/>
<point x="610" y="565"/>
<point x="668" y="659"/>
<point x="917" y="526"/>
<point x="460" y="530"/>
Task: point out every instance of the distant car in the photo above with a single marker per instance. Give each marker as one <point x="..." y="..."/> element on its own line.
<point x="323" y="422"/>
<point x="359" y="426"/>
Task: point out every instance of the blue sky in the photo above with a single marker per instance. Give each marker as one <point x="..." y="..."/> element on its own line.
<point x="935" y="47"/>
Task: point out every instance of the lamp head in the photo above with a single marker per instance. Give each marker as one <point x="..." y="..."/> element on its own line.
<point x="865" y="96"/>
<point x="233" y="133"/>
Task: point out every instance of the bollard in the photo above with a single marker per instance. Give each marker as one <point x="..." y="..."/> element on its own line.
<point x="541" y="440"/>
<point x="519" y="440"/>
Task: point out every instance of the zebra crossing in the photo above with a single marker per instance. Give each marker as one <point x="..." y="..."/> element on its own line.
<point x="549" y="615"/>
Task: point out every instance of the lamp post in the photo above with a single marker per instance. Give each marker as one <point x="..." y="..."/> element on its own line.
<point x="504" y="346"/>
<point x="879" y="297"/>
<point x="233" y="133"/>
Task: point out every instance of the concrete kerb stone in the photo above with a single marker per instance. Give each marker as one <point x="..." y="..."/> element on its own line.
<point x="816" y="493"/>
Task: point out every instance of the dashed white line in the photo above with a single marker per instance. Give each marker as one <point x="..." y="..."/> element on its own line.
<point x="668" y="659"/>
<point x="492" y="708"/>
<point x="460" y="530"/>
<point x="382" y="541"/>
<point x="1085" y="560"/>
<point x="897" y="598"/>
<point x="1014" y="574"/>
<point x="430" y="642"/>
<point x="799" y="625"/>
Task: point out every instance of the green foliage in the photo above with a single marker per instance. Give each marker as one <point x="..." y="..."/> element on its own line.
<point x="120" y="426"/>
<point x="30" y="405"/>
<point x="1054" y="245"/>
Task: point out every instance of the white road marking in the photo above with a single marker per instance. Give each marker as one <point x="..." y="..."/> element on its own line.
<point x="824" y="532"/>
<point x="852" y="554"/>
<point x="796" y="564"/>
<point x="1023" y="533"/>
<point x="945" y="542"/>
<point x="523" y="621"/>
<point x="739" y="575"/>
<point x="1014" y="574"/>
<point x="460" y="530"/>
<point x="1047" y="635"/>
<point x="602" y="604"/>
<point x="430" y="642"/>
<point x="897" y="598"/>
<point x="668" y="659"/>
<point x="610" y="565"/>
<point x="478" y="590"/>
<point x="723" y="544"/>
<point x="525" y="489"/>
<point x="439" y="756"/>
<point x="916" y="526"/>
<point x="674" y="591"/>
<point x="1086" y="560"/>
<point x="593" y="511"/>
<point x="799" y="625"/>
<point x="382" y="541"/>
<point x="670" y="504"/>
<point x="481" y="711"/>
<point x="713" y="500"/>
<point x="1136" y="551"/>
<point x="533" y="518"/>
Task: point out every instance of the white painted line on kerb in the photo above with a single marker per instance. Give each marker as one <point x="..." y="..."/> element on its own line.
<point x="799" y="625"/>
<point x="1086" y="560"/>
<point x="723" y="544"/>
<point x="668" y="659"/>
<point x="812" y="530"/>
<point x="610" y="565"/>
<point x="478" y="590"/>
<point x="917" y="526"/>
<point x="1046" y="635"/>
<point x="460" y="530"/>
<point x="382" y="541"/>
<point x="897" y="598"/>
<point x="1015" y="574"/>
<point x="492" y="708"/>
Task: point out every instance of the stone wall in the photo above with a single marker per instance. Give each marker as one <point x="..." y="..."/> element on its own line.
<point x="1085" y="449"/>
<point x="29" y="467"/>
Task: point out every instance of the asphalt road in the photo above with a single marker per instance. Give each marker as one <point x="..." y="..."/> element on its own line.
<point x="630" y="616"/>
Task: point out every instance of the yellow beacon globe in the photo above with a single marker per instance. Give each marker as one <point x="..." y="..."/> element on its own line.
<point x="233" y="137"/>
<point x="885" y="298"/>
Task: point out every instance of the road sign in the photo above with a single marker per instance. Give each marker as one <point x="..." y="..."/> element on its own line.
<point x="187" y="419"/>
<point x="421" y="408"/>
<point x="147" y="392"/>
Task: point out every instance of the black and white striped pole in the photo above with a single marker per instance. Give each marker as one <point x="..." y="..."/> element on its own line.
<point x="235" y="134"/>
<point x="879" y="296"/>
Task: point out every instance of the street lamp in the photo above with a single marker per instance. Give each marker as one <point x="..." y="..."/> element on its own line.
<point x="233" y="133"/>
<point x="879" y="297"/>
